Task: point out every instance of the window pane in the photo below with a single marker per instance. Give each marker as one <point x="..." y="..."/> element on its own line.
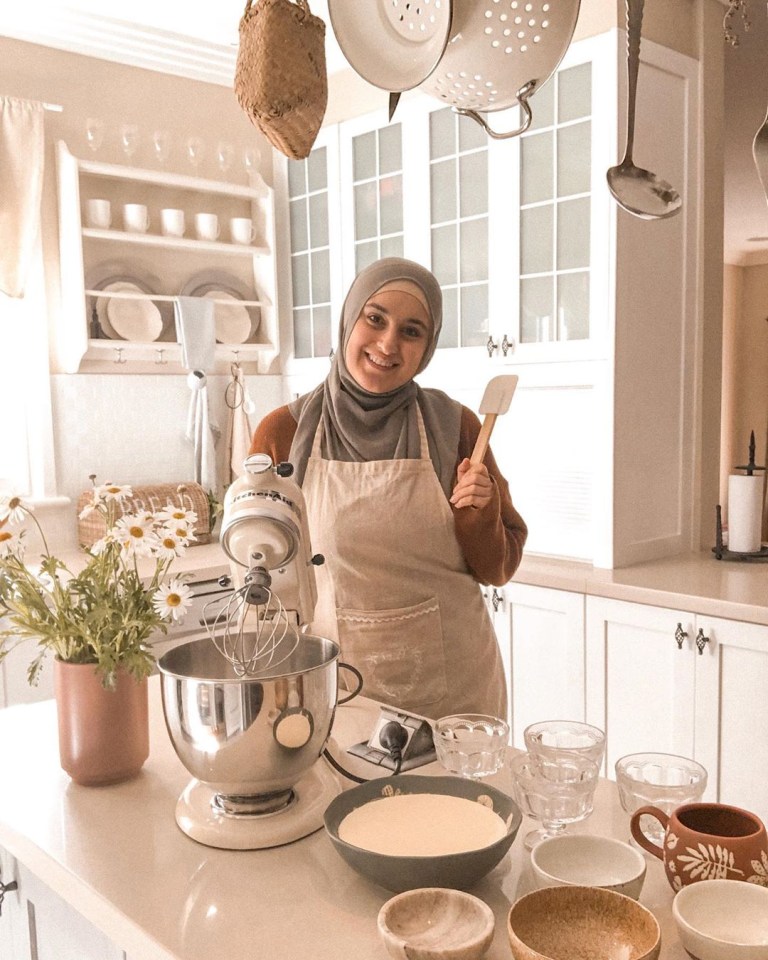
<point x="321" y="271"/>
<point x="473" y="184"/>
<point x="392" y="246"/>
<point x="573" y="234"/>
<point x="364" y="156"/>
<point x="442" y="133"/>
<point x="574" y="161"/>
<point x="321" y="328"/>
<point x="536" y="173"/>
<point x="474" y="250"/>
<point x="444" y="254"/>
<point x="300" y="273"/>
<point x="474" y="315"/>
<point x="443" y="190"/>
<point x="542" y="105"/>
<point x="297" y="180"/>
<point x="391" y="199"/>
<point x="449" y="332"/>
<point x="299" y="232"/>
<point x="536" y="310"/>
<point x="574" y="93"/>
<point x="318" y="219"/>
<point x="390" y="148"/>
<point x="302" y="333"/>
<point x="317" y="173"/>
<point x="573" y="306"/>
<point x="365" y="254"/>
<point x="366" y="212"/>
<point x="536" y="226"/>
<point x="471" y="134"/>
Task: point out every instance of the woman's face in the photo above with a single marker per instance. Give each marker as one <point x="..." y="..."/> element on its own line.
<point x="388" y="341"/>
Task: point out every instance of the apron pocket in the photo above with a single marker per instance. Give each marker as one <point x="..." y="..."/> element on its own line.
<point x="399" y="652"/>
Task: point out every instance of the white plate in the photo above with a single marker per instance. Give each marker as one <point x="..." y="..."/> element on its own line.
<point x="393" y="46"/>
<point x="138" y="320"/>
<point x="232" y="320"/>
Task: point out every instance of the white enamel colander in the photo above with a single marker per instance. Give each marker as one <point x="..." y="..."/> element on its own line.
<point x="501" y="52"/>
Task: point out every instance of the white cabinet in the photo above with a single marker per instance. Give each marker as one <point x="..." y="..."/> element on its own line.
<point x="162" y="267"/>
<point x="541" y="635"/>
<point x="37" y="924"/>
<point x="676" y="682"/>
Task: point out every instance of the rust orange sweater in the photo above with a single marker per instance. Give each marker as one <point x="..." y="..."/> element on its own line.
<point x="491" y="539"/>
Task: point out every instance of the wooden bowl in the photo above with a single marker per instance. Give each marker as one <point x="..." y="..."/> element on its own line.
<point x="560" y="923"/>
<point x="434" y="923"/>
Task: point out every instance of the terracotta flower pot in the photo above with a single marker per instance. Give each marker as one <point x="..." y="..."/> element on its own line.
<point x="103" y="734"/>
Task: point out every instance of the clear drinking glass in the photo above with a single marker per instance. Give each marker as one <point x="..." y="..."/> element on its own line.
<point x="471" y="744"/>
<point x="554" y="792"/>
<point x="195" y="149"/>
<point x="224" y="155"/>
<point x="94" y="133"/>
<point x="161" y="145"/>
<point x="662" y="780"/>
<point x="556" y="739"/>
<point x="129" y="139"/>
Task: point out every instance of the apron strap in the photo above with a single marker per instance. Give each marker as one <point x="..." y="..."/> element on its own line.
<point x="317" y="441"/>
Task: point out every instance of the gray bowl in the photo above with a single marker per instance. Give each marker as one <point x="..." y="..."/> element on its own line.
<point x="457" y="870"/>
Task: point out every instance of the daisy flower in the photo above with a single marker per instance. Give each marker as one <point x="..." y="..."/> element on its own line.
<point x="168" y="545"/>
<point x="134" y="537"/>
<point x="173" y="599"/>
<point x="172" y="514"/>
<point x="10" y="542"/>
<point x="13" y="509"/>
<point x="112" y="491"/>
<point x="180" y="530"/>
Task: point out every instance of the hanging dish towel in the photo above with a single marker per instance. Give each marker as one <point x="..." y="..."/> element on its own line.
<point x="239" y="430"/>
<point x="22" y="153"/>
<point x="195" y="331"/>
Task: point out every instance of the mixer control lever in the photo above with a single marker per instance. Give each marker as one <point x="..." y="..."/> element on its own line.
<point x="318" y="560"/>
<point x="284" y="469"/>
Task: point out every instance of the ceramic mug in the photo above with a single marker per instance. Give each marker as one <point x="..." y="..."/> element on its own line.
<point x="98" y="214"/>
<point x="206" y="226"/>
<point x="707" y="841"/>
<point x="242" y="230"/>
<point x="172" y="222"/>
<point x="135" y="218"/>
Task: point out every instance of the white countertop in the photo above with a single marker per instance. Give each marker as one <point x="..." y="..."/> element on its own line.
<point x="116" y="855"/>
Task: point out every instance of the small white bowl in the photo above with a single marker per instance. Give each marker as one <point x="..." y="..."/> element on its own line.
<point x="435" y="923"/>
<point x="723" y="920"/>
<point x="586" y="861"/>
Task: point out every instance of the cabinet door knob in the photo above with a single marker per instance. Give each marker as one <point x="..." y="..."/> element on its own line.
<point x="496" y="599"/>
<point x="491" y="346"/>
<point x="6" y="888"/>
<point x="680" y="636"/>
<point x="507" y="346"/>
<point x="701" y="640"/>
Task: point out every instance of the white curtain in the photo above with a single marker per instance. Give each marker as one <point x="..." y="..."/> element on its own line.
<point x="22" y="158"/>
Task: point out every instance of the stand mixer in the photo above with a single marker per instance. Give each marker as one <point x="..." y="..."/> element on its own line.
<point x="249" y="713"/>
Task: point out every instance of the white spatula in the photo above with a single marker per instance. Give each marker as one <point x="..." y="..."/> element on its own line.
<point x="495" y="402"/>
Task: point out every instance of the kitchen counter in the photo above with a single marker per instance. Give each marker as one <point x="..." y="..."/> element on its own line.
<point x="116" y="855"/>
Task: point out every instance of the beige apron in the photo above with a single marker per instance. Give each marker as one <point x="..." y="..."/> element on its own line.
<point x="395" y="589"/>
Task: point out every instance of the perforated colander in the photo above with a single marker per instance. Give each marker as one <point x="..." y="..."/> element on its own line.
<point x="499" y="53"/>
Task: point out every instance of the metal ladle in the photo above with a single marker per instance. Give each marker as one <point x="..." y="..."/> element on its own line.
<point x="639" y="191"/>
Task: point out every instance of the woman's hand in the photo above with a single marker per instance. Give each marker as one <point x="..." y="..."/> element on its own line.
<point x="474" y="487"/>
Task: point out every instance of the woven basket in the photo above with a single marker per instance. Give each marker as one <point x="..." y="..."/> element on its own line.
<point x="280" y="78"/>
<point x="153" y="497"/>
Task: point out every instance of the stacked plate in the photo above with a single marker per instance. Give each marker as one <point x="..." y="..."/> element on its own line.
<point x="135" y="317"/>
<point x="235" y="322"/>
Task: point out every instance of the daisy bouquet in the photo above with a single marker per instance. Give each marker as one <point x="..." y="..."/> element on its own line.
<point x="105" y="611"/>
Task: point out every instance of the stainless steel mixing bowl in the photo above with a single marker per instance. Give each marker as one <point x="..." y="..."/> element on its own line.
<point x="251" y="740"/>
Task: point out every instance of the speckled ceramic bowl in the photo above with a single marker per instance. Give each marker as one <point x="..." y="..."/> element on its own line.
<point x="457" y="870"/>
<point x="433" y="923"/>
<point x="723" y="920"/>
<point x="561" y="923"/>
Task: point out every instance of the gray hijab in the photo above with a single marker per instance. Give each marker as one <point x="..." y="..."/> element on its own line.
<point x="359" y="426"/>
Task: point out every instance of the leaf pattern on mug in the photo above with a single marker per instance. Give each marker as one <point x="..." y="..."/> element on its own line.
<point x="760" y="876"/>
<point x="708" y="862"/>
<point x="677" y="884"/>
<point x="671" y="841"/>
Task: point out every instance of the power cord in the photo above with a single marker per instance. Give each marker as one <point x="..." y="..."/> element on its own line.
<point x="393" y="737"/>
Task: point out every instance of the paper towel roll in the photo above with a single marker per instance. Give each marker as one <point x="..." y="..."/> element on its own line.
<point x="745" y="512"/>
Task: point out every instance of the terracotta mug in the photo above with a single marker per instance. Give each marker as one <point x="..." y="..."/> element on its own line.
<point x="707" y="841"/>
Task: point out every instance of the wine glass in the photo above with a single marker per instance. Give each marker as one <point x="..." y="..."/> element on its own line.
<point x="224" y="155"/>
<point x="195" y="150"/>
<point x="161" y="144"/>
<point x="129" y="139"/>
<point x="472" y="745"/>
<point x="554" y="792"/>
<point x="556" y="739"/>
<point x="251" y="160"/>
<point x="94" y="133"/>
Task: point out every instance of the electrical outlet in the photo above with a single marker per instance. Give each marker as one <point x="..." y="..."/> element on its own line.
<point x="419" y="746"/>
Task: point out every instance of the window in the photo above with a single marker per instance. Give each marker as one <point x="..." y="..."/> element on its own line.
<point x="377" y="184"/>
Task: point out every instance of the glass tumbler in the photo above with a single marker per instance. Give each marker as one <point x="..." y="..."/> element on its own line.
<point x="555" y="739"/>
<point x="471" y="744"/>
<point x="554" y="792"/>
<point x="662" y="780"/>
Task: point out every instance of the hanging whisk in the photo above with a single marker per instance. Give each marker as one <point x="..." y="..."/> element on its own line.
<point x="253" y="630"/>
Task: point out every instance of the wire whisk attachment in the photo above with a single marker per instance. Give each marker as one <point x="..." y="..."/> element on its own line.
<point x="253" y="630"/>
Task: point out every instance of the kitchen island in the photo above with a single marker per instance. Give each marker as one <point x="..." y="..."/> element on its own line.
<point x="115" y="857"/>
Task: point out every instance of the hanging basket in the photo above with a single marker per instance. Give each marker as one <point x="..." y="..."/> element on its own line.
<point x="280" y="76"/>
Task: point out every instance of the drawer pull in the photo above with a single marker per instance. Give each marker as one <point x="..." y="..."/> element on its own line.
<point x="701" y="641"/>
<point x="6" y="888"/>
<point x="680" y="636"/>
<point x="496" y="600"/>
<point x="491" y="346"/>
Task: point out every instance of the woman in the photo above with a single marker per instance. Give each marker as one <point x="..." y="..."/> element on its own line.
<point x="407" y="526"/>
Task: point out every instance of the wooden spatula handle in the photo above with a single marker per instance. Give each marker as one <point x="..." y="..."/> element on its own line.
<point x="483" y="438"/>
